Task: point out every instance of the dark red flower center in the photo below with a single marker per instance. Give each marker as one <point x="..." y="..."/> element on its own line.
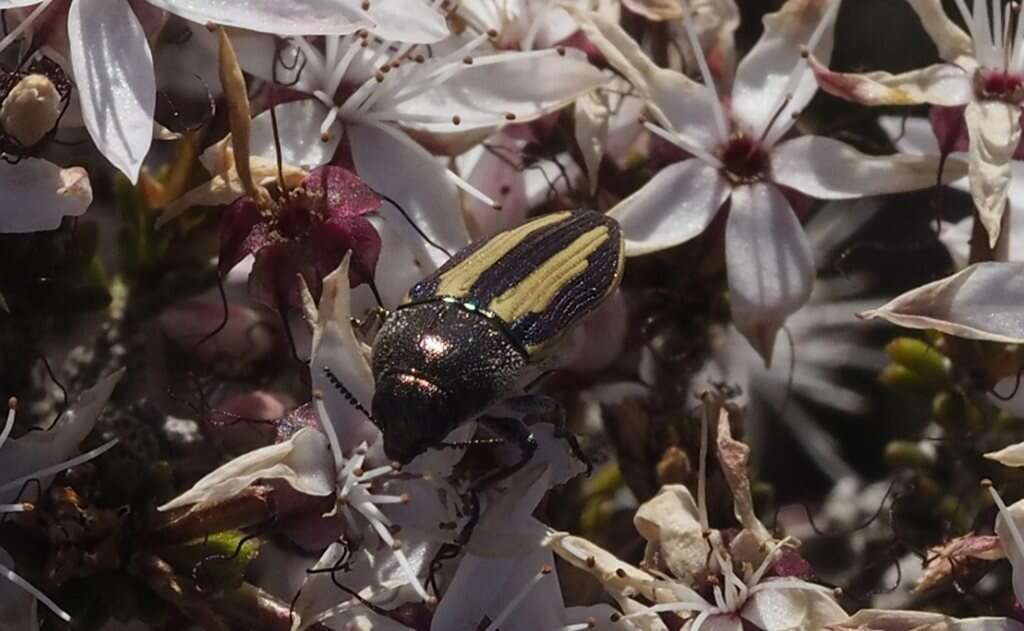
<point x="745" y="159"/>
<point x="1000" y="85"/>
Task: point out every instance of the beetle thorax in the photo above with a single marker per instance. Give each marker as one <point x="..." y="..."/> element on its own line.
<point x="436" y="365"/>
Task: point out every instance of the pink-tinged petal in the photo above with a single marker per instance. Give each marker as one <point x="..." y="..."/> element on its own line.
<point x="994" y="129"/>
<point x="950" y="128"/>
<point x="676" y="100"/>
<point x="298" y="129"/>
<point x="274" y="278"/>
<point x="981" y="302"/>
<point x="398" y="168"/>
<point x="498" y="174"/>
<point x="768" y="258"/>
<point x="949" y="38"/>
<point x="344" y="194"/>
<point x="337" y="237"/>
<point x="410" y="21"/>
<point x="237" y="240"/>
<point x="674" y="207"/>
<point x="826" y="168"/>
<point x="113" y="70"/>
<point x="526" y="85"/>
<point x="38" y="194"/>
<point x="941" y="84"/>
<point x="299" y="17"/>
<point x="763" y="76"/>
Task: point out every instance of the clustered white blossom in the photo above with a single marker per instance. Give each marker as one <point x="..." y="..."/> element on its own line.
<point x="390" y="134"/>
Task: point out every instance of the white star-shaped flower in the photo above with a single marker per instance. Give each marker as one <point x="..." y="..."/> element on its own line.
<point x="742" y="162"/>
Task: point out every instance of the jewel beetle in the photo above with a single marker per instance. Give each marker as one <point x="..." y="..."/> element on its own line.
<point x="466" y="336"/>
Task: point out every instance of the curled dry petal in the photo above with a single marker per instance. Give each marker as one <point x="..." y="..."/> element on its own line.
<point x="771" y="270"/>
<point x="940" y="84"/>
<point x="675" y="538"/>
<point x="981" y="302"/>
<point x="618" y="577"/>
<point x="994" y="129"/>
<point x="734" y="456"/>
<point x="303" y="461"/>
<point x="944" y="560"/>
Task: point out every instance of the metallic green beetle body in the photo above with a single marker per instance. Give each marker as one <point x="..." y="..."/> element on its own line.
<point x="466" y="333"/>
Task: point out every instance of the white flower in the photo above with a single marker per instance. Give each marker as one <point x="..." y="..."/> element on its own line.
<point x="376" y="91"/>
<point x="39" y="455"/>
<point x="824" y="339"/>
<point x="982" y="69"/>
<point x="740" y="158"/>
<point x="682" y="549"/>
<point x="112" y="64"/>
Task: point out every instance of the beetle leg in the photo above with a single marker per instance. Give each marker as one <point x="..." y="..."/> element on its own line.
<point x="515" y="432"/>
<point x="544" y="405"/>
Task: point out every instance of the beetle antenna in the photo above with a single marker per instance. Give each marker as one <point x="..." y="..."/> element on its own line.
<point x="413" y="223"/>
<point x="345" y="392"/>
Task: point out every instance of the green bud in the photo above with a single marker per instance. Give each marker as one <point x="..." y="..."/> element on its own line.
<point x="922" y="359"/>
<point x="908" y="454"/>
<point x="899" y="377"/>
<point x="219" y="561"/>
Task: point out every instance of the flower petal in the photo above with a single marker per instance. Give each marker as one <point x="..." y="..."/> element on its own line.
<point x="410" y="21"/>
<point x="38" y="194"/>
<point x="298" y="128"/>
<point x="592" y="119"/>
<point x="113" y="70"/>
<point x="826" y="168"/>
<point x="771" y="270"/>
<point x="303" y="461"/>
<point x="674" y="207"/>
<point x="940" y="84"/>
<point x="763" y="77"/>
<point x="981" y="302"/>
<point x="951" y="40"/>
<point x="35" y="451"/>
<point x="296" y="17"/>
<point x="676" y="100"/>
<point x="336" y="349"/>
<point x="994" y="129"/>
<point x="398" y="168"/>
<point x="791" y="607"/>
<point x="1010" y="456"/>
<point x="526" y="85"/>
<point x="670" y="522"/>
<point x="889" y="620"/>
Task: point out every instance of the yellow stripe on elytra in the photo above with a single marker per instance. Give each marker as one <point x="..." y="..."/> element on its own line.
<point x="460" y="279"/>
<point x="535" y="292"/>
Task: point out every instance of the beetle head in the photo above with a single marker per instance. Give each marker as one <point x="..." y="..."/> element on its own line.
<point x="417" y="413"/>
